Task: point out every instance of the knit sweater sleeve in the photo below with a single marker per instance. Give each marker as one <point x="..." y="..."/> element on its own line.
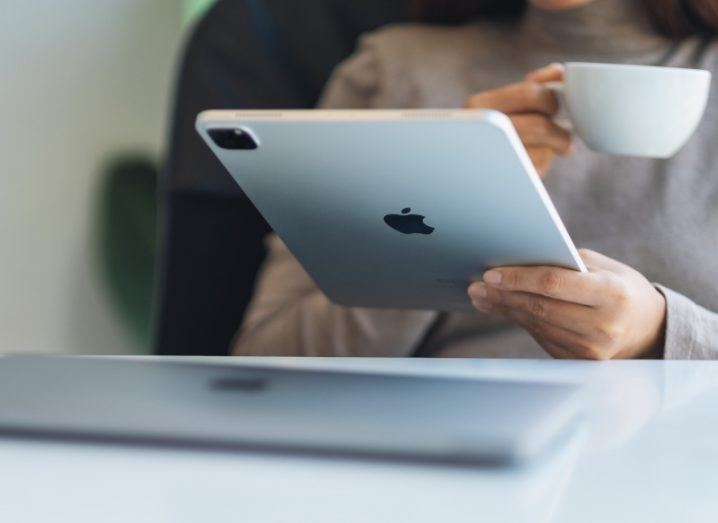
<point x="691" y="330"/>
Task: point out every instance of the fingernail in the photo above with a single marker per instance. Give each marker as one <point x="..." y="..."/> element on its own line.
<point x="478" y="291"/>
<point x="493" y="277"/>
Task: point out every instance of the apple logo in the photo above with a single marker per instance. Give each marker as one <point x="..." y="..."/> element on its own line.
<point x="407" y="223"/>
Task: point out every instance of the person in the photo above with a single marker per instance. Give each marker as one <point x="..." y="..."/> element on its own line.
<point x="649" y="227"/>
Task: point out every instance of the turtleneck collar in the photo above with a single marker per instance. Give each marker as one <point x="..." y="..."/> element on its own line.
<point x="603" y="30"/>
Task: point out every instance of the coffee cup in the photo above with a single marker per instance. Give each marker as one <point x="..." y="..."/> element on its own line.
<point x="633" y="110"/>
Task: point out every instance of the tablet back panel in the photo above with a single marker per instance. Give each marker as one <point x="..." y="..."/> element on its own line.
<point x="346" y="191"/>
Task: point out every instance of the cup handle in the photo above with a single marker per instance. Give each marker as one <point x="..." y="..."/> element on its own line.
<point x="562" y="119"/>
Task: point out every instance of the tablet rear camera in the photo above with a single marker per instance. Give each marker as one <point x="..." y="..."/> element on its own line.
<point x="233" y="139"/>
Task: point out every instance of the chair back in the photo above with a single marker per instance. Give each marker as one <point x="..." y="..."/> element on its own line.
<point x="243" y="54"/>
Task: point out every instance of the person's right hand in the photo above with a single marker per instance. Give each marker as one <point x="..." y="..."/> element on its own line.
<point x="531" y="106"/>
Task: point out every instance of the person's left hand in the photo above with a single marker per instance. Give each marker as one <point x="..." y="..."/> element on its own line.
<point x="612" y="311"/>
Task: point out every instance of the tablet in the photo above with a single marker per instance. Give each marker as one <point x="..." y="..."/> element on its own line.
<point x="279" y="409"/>
<point x="393" y="209"/>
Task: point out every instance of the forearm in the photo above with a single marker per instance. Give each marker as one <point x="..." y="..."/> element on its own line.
<point x="290" y="316"/>
<point x="691" y="330"/>
<point x="314" y="326"/>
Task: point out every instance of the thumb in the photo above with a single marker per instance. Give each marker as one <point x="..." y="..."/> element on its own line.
<point x="596" y="261"/>
<point x="550" y="73"/>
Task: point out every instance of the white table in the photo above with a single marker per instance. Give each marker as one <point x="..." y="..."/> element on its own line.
<point x="648" y="452"/>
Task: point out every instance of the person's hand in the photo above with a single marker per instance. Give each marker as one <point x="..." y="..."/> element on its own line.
<point x="531" y="107"/>
<point x="612" y="311"/>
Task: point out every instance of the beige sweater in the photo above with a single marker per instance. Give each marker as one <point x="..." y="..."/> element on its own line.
<point x="661" y="217"/>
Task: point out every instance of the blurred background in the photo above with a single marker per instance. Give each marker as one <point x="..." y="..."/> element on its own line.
<point x="84" y="98"/>
<point x="121" y="233"/>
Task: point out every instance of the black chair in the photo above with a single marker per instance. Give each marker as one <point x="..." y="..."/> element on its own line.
<point x="243" y="54"/>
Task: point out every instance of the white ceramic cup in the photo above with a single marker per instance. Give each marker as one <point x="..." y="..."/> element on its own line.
<point x="633" y="110"/>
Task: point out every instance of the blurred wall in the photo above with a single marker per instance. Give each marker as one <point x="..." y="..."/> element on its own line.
<point x="81" y="80"/>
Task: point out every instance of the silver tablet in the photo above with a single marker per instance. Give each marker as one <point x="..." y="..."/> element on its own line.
<point x="274" y="409"/>
<point x="393" y="209"/>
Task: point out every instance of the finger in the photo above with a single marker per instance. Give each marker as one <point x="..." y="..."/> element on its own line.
<point x="589" y="323"/>
<point x="542" y="158"/>
<point x="539" y="131"/>
<point x="550" y="73"/>
<point x="573" y="317"/>
<point x="556" y="351"/>
<point x="525" y="97"/>
<point x="565" y="343"/>
<point x="553" y="282"/>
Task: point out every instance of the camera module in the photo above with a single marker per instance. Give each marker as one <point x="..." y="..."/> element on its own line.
<point x="235" y="138"/>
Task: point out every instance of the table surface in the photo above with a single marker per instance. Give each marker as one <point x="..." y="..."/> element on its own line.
<point x="648" y="451"/>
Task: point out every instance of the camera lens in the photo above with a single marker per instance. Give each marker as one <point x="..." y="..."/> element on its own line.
<point x="233" y="139"/>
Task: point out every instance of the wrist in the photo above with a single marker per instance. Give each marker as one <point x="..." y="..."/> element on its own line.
<point x="655" y="347"/>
